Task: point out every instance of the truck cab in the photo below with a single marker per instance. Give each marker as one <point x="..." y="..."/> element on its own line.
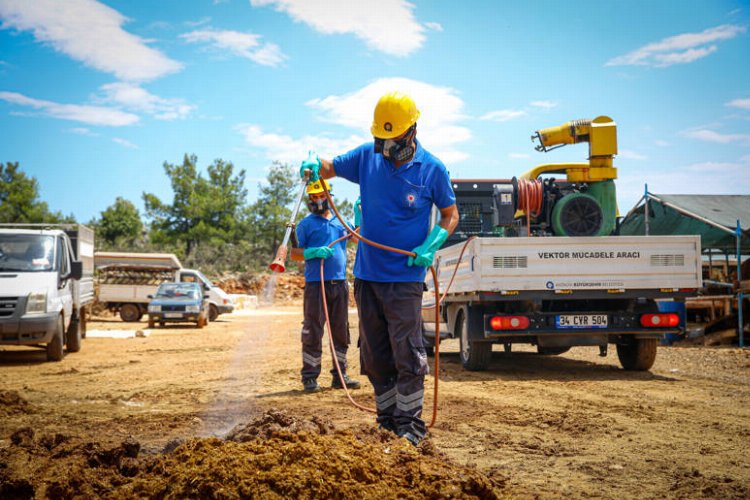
<point x="45" y="289"/>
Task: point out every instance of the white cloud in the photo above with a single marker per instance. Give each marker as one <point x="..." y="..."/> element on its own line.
<point x="124" y="143"/>
<point x="678" y="49"/>
<point x="247" y="45"/>
<point x="696" y="178"/>
<point x="388" y="26"/>
<point x="544" y="104"/>
<point x="434" y="26"/>
<point x="519" y="156"/>
<point x="631" y="155"/>
<point x="82" y="131"/>
<point x="199" y="22"/>
<point x="740" y="103"/>
<point x="503" y="115"/>
<point x="441" y="112"/>
<point x="661" y="143"/>
<point x="713" y="136"/>
<point x="90" y="32"/>
<point x="135" y="98"/>
<point x="93" y="115"/>
<point x="285" y="148"/>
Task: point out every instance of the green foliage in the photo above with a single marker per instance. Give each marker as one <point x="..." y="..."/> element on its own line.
<point x="202" y="209"/>
<point x="19" y="201"/>
<point x="120" y="224"/>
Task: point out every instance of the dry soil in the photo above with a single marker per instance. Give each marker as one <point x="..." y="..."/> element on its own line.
<point x="219" y="413"/>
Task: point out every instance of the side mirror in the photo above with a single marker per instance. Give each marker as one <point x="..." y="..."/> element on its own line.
<point x="206" y="296"/>
<point x="76" y="270"/>
<point x="149" y="296"/>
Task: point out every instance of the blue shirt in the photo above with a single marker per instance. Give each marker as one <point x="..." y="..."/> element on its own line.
<point x="317" y="231"/>
<point x="396" y="206"/>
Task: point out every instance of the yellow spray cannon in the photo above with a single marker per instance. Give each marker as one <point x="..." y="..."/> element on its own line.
<point x="584" y="205"/>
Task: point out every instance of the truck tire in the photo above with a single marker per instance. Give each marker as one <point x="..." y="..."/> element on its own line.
<point x="73" y="336"/>
<point x="637" y="355"/>
<point x="55" y="346"/>
<point x="475" y="356"/>
<point x="551" y="351"/>
<point x="213" y="312"/>
<point x="130" y="313"/>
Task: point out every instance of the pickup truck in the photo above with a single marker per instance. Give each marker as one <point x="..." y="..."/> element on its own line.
<point x="46" y="285"/>
<point x="555" y="292"/>
<point x="125" y="280"/>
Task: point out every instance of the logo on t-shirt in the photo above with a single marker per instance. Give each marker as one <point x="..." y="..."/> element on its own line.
<point x="411" y="197"/>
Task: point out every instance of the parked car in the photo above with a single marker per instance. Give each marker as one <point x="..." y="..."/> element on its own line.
<point x="177" y="302"/>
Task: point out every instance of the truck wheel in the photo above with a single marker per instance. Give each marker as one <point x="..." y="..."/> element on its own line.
<point x="551" y="351"/>
<point x="475" y="356"/>
<point x="637" y="355"/>
<point x="55" y="347"/>
<point x="73" y="337"/>
<point x="130" y="313"/>
<point x="213" y="312"/>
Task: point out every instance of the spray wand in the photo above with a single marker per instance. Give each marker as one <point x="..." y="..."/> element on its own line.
<point x="278" y="264"/>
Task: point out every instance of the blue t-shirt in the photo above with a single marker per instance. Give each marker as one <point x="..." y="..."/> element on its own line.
<point x="317" y="231"/>
<point x="396" y="205"/>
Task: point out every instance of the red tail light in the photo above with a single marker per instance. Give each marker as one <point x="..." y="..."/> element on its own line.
<point x="660" y="320"/>
<point x="509" y="322"/>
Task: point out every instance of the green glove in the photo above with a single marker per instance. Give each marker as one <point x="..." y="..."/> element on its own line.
<point x="317" y="253"/>
<point x="358" y="212"/>
<point x="312" y="163"/>
<point x="426" y="251"/>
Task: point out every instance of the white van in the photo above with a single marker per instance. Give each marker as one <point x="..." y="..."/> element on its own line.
<point x="46" y="285"/>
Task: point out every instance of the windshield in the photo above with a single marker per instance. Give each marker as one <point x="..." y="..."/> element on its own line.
<point x="175" y="290"/>
<point x="26" y="253"/>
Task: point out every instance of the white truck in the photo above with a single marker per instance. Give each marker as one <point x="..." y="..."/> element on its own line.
<point x="552" y="291"/>
<point x="125" y="280"/>
<point x="46" y="285"/>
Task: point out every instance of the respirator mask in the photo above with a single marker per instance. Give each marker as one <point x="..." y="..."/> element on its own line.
<point x="399" y="150"/>
<point x="318" y="207"/>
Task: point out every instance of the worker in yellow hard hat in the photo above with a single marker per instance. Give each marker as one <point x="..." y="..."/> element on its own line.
<point x="399" y="183"/>
<point x="314" y="233"/>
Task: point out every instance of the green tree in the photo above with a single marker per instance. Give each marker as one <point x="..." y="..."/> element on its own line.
<point x="120" y="223"/>
<point x="203" y="209"/>
<point x="19" y="198"/>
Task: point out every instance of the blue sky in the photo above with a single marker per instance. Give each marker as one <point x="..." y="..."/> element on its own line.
<point x="96" y="95"/>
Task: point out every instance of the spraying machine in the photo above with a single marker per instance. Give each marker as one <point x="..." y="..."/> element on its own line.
<point x="584" y="204"/>
<point x="543" y="266"/>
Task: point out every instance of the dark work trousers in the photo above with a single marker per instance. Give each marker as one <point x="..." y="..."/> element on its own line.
<point x="313" y="326"/>
<point x="392" y="353"/>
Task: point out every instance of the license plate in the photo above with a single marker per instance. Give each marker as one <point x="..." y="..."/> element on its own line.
<point x="172" y="315"/>
<point x="581" y="321"/>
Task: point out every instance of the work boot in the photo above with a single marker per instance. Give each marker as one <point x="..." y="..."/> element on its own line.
<point x="410" y="437"/>
<point x="350" y="384"/>
<point x="310" y="385"/>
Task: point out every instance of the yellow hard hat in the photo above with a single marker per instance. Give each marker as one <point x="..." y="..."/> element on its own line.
<point x="316" y="187"/>
<point x="394" y="114"/>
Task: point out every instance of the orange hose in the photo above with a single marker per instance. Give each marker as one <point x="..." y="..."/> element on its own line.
<point x="530" y="197"/>
<point x="355" y="234"/>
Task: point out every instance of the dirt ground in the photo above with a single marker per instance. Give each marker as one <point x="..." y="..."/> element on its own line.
<point x="219" y="413"/>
